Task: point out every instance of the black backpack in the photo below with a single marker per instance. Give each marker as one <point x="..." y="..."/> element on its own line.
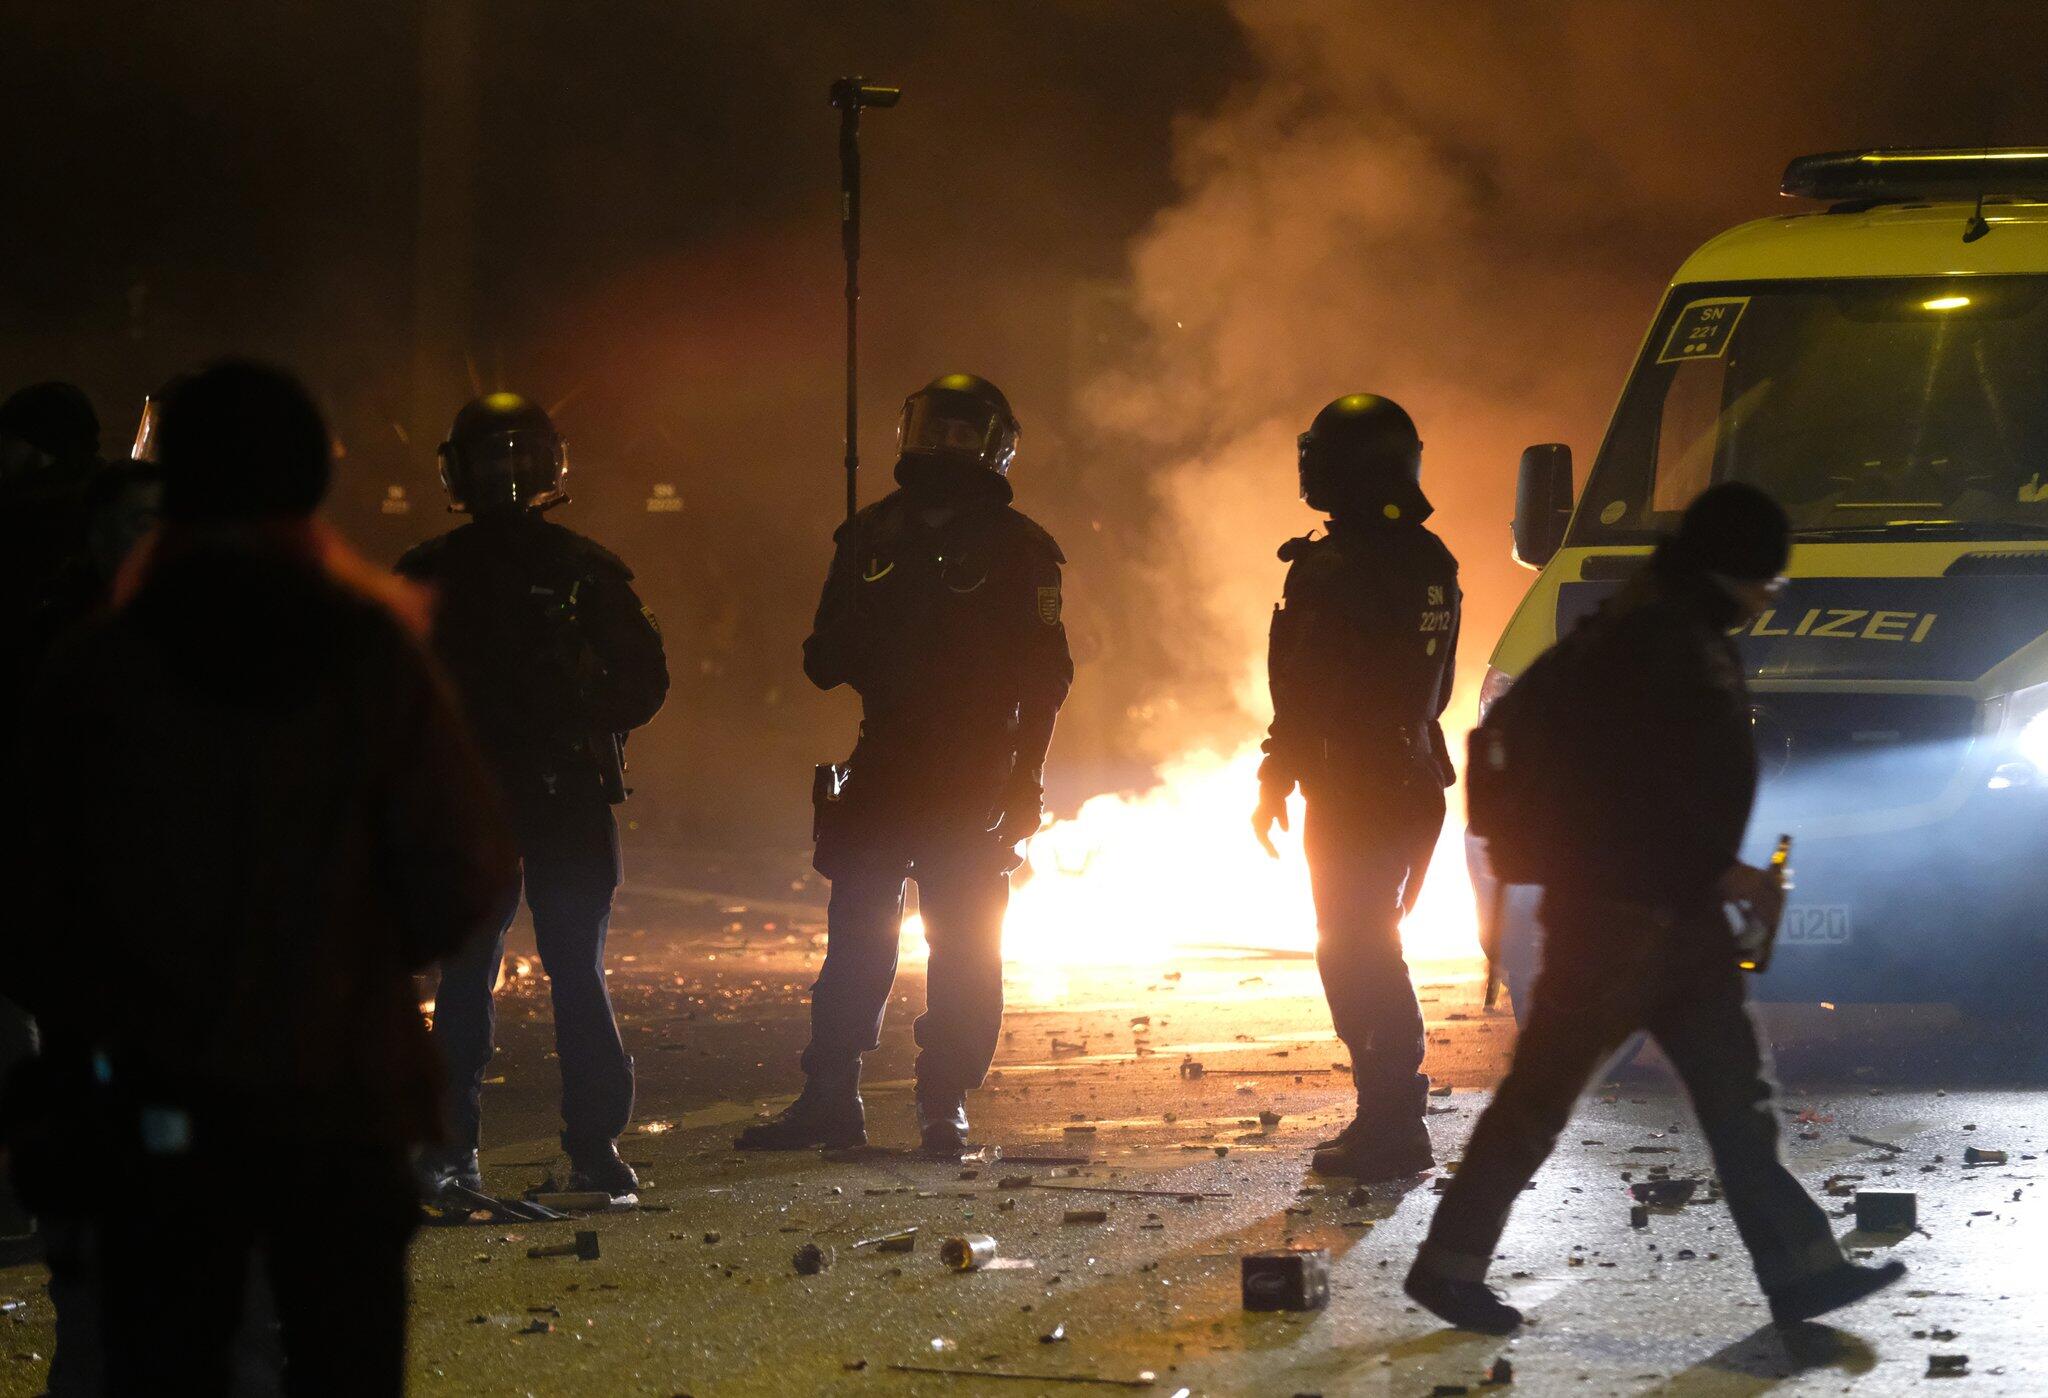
<point x="1527" y="783"/>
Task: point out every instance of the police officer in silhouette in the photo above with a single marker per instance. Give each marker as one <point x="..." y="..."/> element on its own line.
<point x="943" y="611"/>
<point x="1361" y="662"/>
<point x="555" y="661"/>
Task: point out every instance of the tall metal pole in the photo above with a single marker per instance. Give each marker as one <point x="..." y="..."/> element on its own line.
<point x="850" y="95"/>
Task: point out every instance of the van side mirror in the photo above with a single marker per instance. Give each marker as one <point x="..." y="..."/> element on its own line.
<point x="1543" y="503"/>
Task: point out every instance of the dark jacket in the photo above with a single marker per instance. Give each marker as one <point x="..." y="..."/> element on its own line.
<point x="1663" y="733"/>
<point x="954" y="638"/>
<point x="1361" y="660"/>
<point x="550" y="649"/>
<point x="244" y="813"/>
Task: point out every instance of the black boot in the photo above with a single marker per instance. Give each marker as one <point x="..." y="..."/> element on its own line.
<point x="941" y="1123"/>
<point x="1469" y="1305"/>
<point x="827" y="1113"/>
<point x="441" y="1167"/>
<point x="1345" y="1139"/>
<point x="1831" y="1290"/>
<point x="1370" y="1152"/>
<point x="596" y="1165"/>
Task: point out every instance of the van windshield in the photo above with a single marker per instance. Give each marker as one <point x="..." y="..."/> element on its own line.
<point x="1894" y="407"/>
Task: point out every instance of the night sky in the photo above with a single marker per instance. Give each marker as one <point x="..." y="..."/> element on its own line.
<point x="1170" y="229"/>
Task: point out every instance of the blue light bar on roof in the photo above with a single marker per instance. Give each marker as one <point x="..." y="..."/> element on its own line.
<point x="1888" y="176"/>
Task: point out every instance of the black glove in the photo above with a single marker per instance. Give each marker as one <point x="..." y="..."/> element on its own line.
<point x="1017" y="816"/>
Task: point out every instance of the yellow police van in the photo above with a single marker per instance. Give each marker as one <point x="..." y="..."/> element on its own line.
<point x="1878" y="364"/>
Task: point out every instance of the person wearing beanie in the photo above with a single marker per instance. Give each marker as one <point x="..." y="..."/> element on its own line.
<point x="246" y="811"/>
<point x="1637" y="938"/>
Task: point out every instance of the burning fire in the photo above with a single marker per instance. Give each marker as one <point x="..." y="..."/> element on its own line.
<point x="1138" y="878"/>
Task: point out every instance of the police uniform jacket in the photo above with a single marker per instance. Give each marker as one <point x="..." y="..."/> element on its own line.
<point x="1361" y="661"/>
<point x="953" y="636"/>
<point x="550" y="649"/>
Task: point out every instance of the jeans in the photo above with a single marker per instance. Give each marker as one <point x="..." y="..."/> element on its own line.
<point x="1610" y="970"/>
<point x="963" y="888"/>
<point x="570" y="871"/>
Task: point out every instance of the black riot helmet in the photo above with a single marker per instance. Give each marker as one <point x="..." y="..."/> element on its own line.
<point x="957" y="428"/>
<point x="1362" y="458"/>
<point x="502" y="455"/>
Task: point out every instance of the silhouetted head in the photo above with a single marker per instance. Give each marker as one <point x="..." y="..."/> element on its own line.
<point x="1361" y="459"/>
<point x="241" y="442"/>
<point x="956" y="435"/>
<point x="503" y="456"/>
<point x="1741" y="537"/>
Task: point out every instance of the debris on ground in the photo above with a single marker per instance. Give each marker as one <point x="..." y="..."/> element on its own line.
<point x="1639" y="1216"/>
<point x="1056" y="1335"/>
<point x="1145" y="1378"/>
<point x="810" y="1259"/>
<point x="1664" y="1193"/>
<point x="585" y="1201"/>
<point x="969" y="1252"/>
<point x="454" y="1203"/>
<point x="1948" y="1366"/>
<point x="1872" y="1144"/>
<point x="1501" y="1374"/>
<point x="1887" y="1210"/>
<point x="1189" y="1068"/>
<point x="1973" y="1156"/>
<point x="1286" y="1279"/>
<point x="584" y="1248"/>
<point x="1086" y="1216"/>
<point x="902" y="1240"/>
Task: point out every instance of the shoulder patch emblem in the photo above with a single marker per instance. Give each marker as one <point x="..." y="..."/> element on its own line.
<point x="1049" y="605"/>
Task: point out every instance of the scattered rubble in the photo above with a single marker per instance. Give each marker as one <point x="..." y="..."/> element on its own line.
<point x="1887" y="1210"/>
<point x="1664" y="1193"/>
<point x="583" y="1248"/>
<point x="970" y="1252"/>
<point x="810" y="1259"/>
<point x="1286" y="1279"/>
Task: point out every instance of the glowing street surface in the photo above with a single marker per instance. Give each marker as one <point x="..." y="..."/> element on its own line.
<point x="711" y="997"/>
<point x="711" y="992"/>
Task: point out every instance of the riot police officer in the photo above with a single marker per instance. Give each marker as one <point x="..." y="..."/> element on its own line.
<point x="943" y="611"/>
<point x="1361" y="662"/>
<point x="555" y="660"/>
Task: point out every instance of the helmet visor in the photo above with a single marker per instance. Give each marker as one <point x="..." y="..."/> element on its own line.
<point x="519" y="469"/>
<point x="957" y="425"/>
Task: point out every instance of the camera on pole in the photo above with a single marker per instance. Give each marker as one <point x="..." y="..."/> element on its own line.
<point x="851" y="96"/>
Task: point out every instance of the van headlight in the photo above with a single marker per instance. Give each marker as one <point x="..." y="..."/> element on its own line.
<point x="1499" y="682"/>
<point x="2023" y="733"/>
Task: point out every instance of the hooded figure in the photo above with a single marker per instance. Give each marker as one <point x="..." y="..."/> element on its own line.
<point x="246" y="813"/>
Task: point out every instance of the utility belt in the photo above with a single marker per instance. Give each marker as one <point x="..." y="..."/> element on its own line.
<point x="1395" y="750"/>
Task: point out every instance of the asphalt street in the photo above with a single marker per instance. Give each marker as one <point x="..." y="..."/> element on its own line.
<point x="1094" y="1106"/>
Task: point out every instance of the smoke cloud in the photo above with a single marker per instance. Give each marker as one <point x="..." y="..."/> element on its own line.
<point x="1472" y="209"/>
